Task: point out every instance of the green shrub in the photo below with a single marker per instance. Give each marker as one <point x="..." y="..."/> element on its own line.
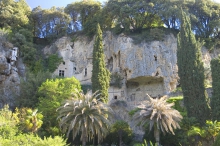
<point x="52" y="62"/>
<point x="120" y="132"/>
<point x="145" y="143"/>
<point x="32" y="140"/>
<point x="148" y="35"/>
<point x="178" y="104"/>
<point x="86" y="88"/>
<point x="28" y="88"/>
<point x="132" y="112"/>
<point x="118" y="29"/>
<point x="217" y="140"/>
<point x="52" y="93"/>
<point x="116" y="79"/>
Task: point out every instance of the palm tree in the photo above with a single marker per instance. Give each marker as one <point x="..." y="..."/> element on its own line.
<point x="158" y="114"/>
<point x="84" y="114"/>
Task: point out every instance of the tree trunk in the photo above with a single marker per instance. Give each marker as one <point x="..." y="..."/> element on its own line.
<point x="83" y="139"/>
<point x="120" y="137"/>
<point x="157" y="135"/>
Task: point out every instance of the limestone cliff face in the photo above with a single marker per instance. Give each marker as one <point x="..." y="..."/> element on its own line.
<point x="144" y="68"/>
<point x="10" y="68"/>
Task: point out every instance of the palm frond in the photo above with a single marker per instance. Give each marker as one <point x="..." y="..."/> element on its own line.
<point x="86" y="114"/>
<point x="159" y="113"/>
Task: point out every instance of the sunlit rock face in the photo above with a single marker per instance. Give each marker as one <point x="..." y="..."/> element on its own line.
<point x="144" y="68"/>
<point x="10" y="67"/>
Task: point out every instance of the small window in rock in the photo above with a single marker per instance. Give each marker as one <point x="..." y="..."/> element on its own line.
<point x="74" y="68"/>
<point x="115" y="97"/>
<point x="122" y="93"/>
<point x="155" y="57"/>
<point x="61" y="73"/>
<point x="63" y="63"/>
<point x="8" y="60"/>
<point x="85" y="71"/>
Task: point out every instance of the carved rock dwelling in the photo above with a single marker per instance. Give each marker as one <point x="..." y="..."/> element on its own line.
<point x="144" y="68"/>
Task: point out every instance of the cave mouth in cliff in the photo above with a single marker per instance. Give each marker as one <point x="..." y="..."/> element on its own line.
<point x="145" y="80"/>
<point x="139" y="86"/>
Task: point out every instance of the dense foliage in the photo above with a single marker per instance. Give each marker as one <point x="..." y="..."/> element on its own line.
<point x="215" y="100"/>
<point x="51" y="94"/>
<point x="120" y="133"/>
<point x="191" y="73"/>
<point x="100" y="74"/>
<point x="10" y="134"/>
<point x="29" y="88"/>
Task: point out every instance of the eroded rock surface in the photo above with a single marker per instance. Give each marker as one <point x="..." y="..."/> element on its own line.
<point x="9" y="74"/>
<point x="144" y="68"/>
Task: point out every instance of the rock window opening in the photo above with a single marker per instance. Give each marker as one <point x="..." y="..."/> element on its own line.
<point x="74" y="68"/>
<point x="8" y="60"/>
<point x="115" y="97"/>
<point x="85" y="71"/>
<point x="133" y="97"/>
<point x="119" y="57"/>
<point x="63" y="63"/>
<point x="155" y="57"/>
<point x="122" y="93"/>
<point x="61" y="73"/>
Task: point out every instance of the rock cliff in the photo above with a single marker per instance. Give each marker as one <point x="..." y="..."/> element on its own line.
<point x="144" y="68"/>
<point x="11" y="67"/>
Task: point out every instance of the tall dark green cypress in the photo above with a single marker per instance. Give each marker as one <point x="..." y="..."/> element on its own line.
<point x="191" y="73"/>
<point x="215" y="100"/>
<point x="100" y="74"/>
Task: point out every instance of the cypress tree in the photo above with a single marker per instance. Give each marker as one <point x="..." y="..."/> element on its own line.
<point x="215" y="100"/>
<point x="100" y="74"/>
<point x="191" y="73"/>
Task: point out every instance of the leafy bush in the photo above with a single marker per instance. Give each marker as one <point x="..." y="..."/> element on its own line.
<point x="206" y="133"/>
<point x="217" y="140"/>
<point x="32" y="140"/>
<point x="52" y="62"/>
<point x="10" y="134"/>
<point x="86" y="88"/>
<point x="145" y="143"/>
<point x="148" y="35"/>
<point x="116" y="80"/>
<point x="120" y="132"/>
<point x="4" y="34"/>
<point x="29" y="86"/>
<point x="29" y="120"/>
<point x="178" y="104"/>
<point x="52" y="93"/>
<point x="132" y="112"/>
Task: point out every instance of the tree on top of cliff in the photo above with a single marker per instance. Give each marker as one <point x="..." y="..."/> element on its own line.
<point x="215" y="100"/>
<point x="100" y="74"/>
<point x="191" y="73"/>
